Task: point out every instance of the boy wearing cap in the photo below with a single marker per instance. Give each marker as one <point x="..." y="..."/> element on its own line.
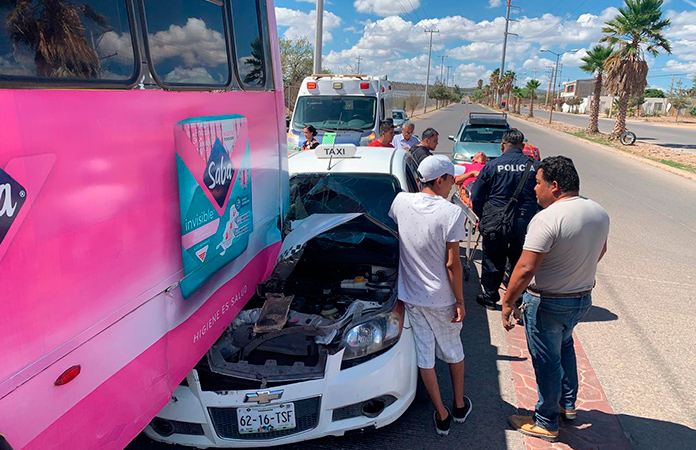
<point x="430" y="281"/>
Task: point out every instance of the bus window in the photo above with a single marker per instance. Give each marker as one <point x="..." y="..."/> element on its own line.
<point x="79" y="40"/>
<point x="251" y="60"/>
<point x="187" y="42"/>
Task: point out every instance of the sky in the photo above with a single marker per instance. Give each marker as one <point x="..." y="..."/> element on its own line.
<point x="390" y="37"/>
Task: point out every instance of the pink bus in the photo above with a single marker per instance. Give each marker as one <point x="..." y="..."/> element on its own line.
<point x="143" y="173"/>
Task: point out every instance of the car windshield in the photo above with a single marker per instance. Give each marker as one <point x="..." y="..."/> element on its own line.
<point x="489" y="135"/>
<point x="335" y="112"/>
<point x="398" y="115"/>
<point x="343" y="193"/>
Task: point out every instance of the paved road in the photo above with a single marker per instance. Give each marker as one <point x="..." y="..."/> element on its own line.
<point x="675" y="137"/>
<point x="638" y="335"/>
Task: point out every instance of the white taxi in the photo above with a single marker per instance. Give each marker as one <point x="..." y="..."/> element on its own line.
<point x="325" y="347"/>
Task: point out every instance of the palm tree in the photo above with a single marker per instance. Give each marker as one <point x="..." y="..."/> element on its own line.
<point x="532" y="86"/>
<point x="53" y="29"/>
<point x="517" y="95"/>
<point x="594" y="63"/>
<point x="509" y="81"/>
<point x="638" y="26"/>
<point x="487" y="94"/>
<point x="494" y="81"/>
<point x="479" y="84"/>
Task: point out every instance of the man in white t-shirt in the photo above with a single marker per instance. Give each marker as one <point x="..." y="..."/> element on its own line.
<point x="430" y="281"/>
<point x="564" y="243"/>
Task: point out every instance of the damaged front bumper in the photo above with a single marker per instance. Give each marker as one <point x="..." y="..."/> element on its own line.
<point x="372" y="394"/>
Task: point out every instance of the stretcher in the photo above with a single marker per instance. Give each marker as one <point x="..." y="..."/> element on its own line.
<point x="471" y="227"/>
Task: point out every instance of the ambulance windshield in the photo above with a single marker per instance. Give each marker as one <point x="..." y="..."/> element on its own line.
<point x="335" y="112"/>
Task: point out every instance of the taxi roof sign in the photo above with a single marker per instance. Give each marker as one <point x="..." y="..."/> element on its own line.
<point x="335" y="151"/>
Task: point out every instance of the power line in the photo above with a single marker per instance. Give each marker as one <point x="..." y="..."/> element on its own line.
<point x="404" y="10"/>
<point x="557" y="23"/>
<point x="414" y="10"/>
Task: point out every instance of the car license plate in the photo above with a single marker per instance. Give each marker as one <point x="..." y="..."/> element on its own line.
<point x="264" y="419"/>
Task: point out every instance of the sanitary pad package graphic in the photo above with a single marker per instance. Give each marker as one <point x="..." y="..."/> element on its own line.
<point x="214" y="170"/>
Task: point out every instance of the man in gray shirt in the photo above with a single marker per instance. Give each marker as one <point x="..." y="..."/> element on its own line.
<point x="557" y="268"/>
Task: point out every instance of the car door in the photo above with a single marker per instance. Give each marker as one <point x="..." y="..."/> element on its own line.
<point x="411" y="175"/>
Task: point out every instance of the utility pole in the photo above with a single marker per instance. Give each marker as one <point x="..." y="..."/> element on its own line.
<point x="442" y="62"/>
<point x="535" y="70"/>
<point x="359" y="58"/>
<point x="553" y="91"/>
<point x="671" y="86"/>
<point x="427" y="77"/>
<point x="560" y="81"/>
<point x="548" y="89"/>
<point x="505" y="36"/>
<point x="318" y="36"/>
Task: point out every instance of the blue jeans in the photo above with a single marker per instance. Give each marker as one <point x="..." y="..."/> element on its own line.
<point x="549" y="324"/>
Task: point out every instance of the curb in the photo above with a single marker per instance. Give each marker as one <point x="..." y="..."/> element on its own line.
<point x="642" y="159"/>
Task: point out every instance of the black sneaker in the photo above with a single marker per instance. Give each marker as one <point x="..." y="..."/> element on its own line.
<point x="459" y="415"/>
<point x="442" y="427"/>
<point x="485" y="301"/>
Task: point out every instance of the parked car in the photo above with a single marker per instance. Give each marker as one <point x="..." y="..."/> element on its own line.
<point x="482" y="132"/>
<point x="400" y="117"/>
<point x="335" y="353"/>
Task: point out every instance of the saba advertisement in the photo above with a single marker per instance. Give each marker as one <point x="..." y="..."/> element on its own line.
<point x="213" y="165"/>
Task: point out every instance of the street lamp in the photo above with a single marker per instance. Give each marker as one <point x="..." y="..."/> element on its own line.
<point x="555" y="73"/>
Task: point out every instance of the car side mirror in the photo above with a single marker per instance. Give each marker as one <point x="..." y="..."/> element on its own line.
<point x="450" y="137"/>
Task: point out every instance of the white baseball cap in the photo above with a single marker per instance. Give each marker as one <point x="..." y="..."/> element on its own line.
<point x="433" y="167"/>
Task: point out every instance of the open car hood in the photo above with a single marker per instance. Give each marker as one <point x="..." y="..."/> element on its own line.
<point x="348" y="228"/>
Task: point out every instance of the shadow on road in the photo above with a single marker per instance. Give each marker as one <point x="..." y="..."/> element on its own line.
<point x="597" y="429"/>
<point x="599" y="314"/>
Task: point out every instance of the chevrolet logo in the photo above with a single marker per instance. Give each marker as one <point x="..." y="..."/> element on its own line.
<point x="264" y="396"/>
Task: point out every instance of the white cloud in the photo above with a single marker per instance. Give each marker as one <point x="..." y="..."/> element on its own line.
<point x="538" y="63"/>
<point x="574" y="59"/>
<point x="303" y="25"/>
<point x="195" y="43"/>
<point x="488" y="51"/>
<point x="467" y="75"/>
<point x="197" y="75"/>
<point x="385" y="8"/>
<point x="494" y="3"/>
<point x="680" y="66"/>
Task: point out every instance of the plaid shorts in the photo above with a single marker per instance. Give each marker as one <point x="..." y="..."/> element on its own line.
<point x="435" y="334"/>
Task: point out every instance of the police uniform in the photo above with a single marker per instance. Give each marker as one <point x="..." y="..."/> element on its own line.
<point x="496" y="183"/>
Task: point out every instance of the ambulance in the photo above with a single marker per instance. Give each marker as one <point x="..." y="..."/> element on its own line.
<point x="345" y="109"/>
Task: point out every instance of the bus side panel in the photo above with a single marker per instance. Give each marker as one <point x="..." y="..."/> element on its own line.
<point x="113" y="413"/>
<point x="102" y="241"/>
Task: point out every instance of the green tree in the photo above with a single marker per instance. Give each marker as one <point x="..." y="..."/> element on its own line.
<point x="296" y="59"/>
<point x="639" y="25"/>
<point x="635" y="103"/>
<point x="438" y="92"/>
<point x="532" y="86"/>
<point x="412" y="101"/>
<point x="479" y="84"/>
<point x="654" y="93"/>
<point x="508" y="81"/>
<point x="593" y="63"/>
<point x="679" y="99"/>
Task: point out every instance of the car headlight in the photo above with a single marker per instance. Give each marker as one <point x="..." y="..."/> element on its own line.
<point x="379" y="332"/>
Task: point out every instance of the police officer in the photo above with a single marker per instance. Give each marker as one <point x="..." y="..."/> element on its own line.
<point x="496" y="185"/>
